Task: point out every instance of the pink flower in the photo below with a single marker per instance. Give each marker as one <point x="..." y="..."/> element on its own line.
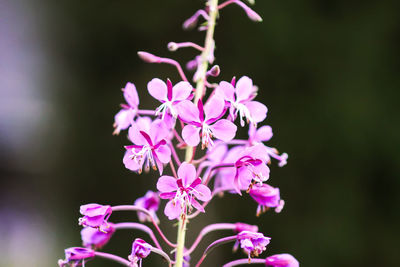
<point x="150" y="202"/>
<point x="140" y="250"/>
<point x="183" y="191"/>
<point x="94" y="215"/>
<point x="240" y="99"/>
<point x="239" y="227"/>
<point x="75" y="256"/>
<point x="169" y="96"/>
<point x="124" y="118"/>
<point x="206" y="120"/>
<point x="94" y="238"/>
<point x="252" y="243"/>
<point x="281" y="260"/>
<point x="149" y="147"/>
<point x="267" y="197"/>
<point x="251" y="166"/>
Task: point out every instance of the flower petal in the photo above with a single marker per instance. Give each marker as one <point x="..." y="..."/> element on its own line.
<point x="258" y="111"/>
<point x="157" y="89"/>
<point x="187" y="172"/>
<point x="135" y="136"/>
<point x="264" y="133"/>
<point x="124" y="118"/>
<point x="224" y="130"/>
<point x="190" y="134"/>
<point x="163" y="153"/>
<point x="173" y="210"/>
<point x="131" y="95"/>
<point x="158" y="131"/>
<point x="187" y="111"/>
<point x="181" y="91"/>
<point x="197" y="205"/>
<point x="167" y="184"/>
<point x="130" y="163"/>
<point x="226" y="90"/>
<point x="202" y="192"/>
<point x="214" y="108"/>
<point x="244" y="88"/>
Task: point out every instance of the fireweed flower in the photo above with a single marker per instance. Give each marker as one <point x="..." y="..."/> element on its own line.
<point x="124" y="118"/>
<point x="251" y="165"/>
<point x="239" y="227"/>
<point x="240" y="99"/>
<point x="150" y="202"/>
<point x="76" y="256"/>
<point x="207" y="120"/>
<point x="94" y="238"/>
<point x="150" y="147"/>
<point x="267" y="197"/>
<point x="140" y="250"/>
<point x="95" y="215"/>
<point x="183" y="191"/>
<point x="169" y="96"/>
<point x="252" y="243"/>
<point x="281" y="260"/>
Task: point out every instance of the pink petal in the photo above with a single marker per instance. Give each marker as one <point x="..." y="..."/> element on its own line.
<point x="226" y="90"/>
<point x="124" y="118"/>
<point x="167" y="184"/>
<point x="181" y="91"/>
<point x="197" y="205"/>
<point x="144" y="123"/>
<point x="214" y="107"/>
<point x="131" y="95"/>
<point x="264" y="133"/>
<point x="187" y="172"/>
<point x="187" y="111"/>
<point x="244" y="88"/>
<point x="224" y="130"/>
<point x="129" y="163"/>
<point x="202" y="192"/>
<point x="190" y="134"/>
<point x="157" y="89"/>
<point x="158" y="131"/>
<point x="217" y="152"/>
<point x="258" y="111"/>
<point x="173" y="210"/>
<point x="163" y="153"/>
<point x="135" y="136"/>
<point x="160" y="166"/>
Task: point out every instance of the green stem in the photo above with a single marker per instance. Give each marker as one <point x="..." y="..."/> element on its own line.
<point x="200" y="87"/>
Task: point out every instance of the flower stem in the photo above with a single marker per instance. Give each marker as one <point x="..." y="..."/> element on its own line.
<point x="208" y="49"/>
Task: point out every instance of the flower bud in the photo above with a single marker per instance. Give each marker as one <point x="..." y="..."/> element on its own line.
<point x="149" y="58"/>
<point x="172" y="46"/>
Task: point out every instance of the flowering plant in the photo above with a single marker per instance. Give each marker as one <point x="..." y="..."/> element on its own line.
<point x="188" y="119"/>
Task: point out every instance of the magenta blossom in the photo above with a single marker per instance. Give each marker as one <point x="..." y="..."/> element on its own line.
<point x="95" y="215"/>
<point x="266" y="197"/>
<point x="207" y="120"/>
<point x="124" y="118"/>
<point x="251" y="165"/>
<point x="94" y="238"/>
<point x="241" y="100"/>
<point x="76" y="256"/>
<point x="169" y="96"/>
<point x="150" y="147"/>
<point x="252" y="243"/>
<point x="281" y="260"/>
<point x="150" y="202"/>
<point x="140" y="250"/>
<point x="183" y="191"/>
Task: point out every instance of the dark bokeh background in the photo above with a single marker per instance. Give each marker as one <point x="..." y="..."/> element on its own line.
<point x="327" y="70"/>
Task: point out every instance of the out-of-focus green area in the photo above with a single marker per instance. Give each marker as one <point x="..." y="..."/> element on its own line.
<point x="327" y="70"/>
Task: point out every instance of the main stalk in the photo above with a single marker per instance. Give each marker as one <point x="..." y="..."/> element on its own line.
<point x="200" y="87"/>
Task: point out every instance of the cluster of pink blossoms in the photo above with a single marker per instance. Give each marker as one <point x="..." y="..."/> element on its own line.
<point x="200" y="119"/>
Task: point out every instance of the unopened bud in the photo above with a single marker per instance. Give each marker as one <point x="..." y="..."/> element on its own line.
<point x="172" y="46"/>
<point x="149" y="58"/>
<point x="214" y="71"/>
<point x="253" y="15"/>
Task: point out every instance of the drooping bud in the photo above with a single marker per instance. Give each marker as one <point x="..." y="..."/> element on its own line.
<point x="76" y="255"/>
<point x="214" y="71"/>
<point x="94" y="238"/>
<point x="281" y="260"/>
<point x="140" y="250"/>
<point x="149" y="58"/>
<point x="172" y="46"/>
<point x="94" y="215"/>
<point x="239" y="227"/>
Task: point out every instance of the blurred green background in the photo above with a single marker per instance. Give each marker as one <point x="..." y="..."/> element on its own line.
<point x="327" y="70"/>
